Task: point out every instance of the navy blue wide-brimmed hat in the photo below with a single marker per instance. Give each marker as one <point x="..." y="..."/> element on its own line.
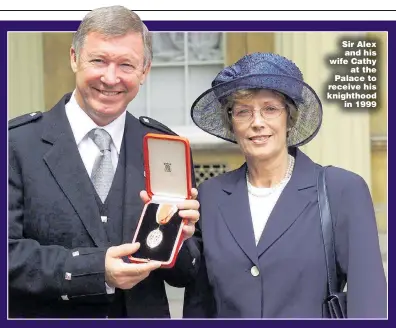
<point x="260" y="71"/>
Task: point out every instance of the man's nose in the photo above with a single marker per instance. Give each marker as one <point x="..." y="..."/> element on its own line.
<point x="109" y="76"/>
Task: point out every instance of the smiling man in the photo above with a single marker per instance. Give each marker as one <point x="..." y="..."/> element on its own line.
<point x="76" y="181"/>
<point x="109" y="71"/>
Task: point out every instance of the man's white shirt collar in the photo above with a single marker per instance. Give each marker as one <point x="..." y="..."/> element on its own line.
<point x="81" y="123"/>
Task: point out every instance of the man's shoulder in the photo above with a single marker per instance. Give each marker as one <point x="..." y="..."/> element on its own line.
<point x="155" y="126"/>
<point x="24" y="120"/>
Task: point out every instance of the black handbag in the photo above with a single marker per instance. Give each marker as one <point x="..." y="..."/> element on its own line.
<point x="335" y="304"/>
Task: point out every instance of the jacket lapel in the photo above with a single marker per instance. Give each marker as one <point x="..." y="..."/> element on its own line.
<point x="235" y="210"/>
<point x="291" y="203"/>
<point x="134" y="176"/>
<point x="67" y="168"/>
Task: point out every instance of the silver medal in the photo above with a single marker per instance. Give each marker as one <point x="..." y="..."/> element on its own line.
<point x="154" y="238"/>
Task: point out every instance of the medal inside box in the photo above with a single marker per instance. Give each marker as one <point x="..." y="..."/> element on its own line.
<point x="168" y="182"/>
<point x="157" y="240"/>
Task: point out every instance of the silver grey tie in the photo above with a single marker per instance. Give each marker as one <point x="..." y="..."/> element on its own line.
<point x="103" y="171"/>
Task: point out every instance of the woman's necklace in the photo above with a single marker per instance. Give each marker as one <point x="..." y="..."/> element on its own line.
<point x="265" y="192"/>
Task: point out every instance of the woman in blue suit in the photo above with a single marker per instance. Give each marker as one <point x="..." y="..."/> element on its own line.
<point x="260" y="227"/>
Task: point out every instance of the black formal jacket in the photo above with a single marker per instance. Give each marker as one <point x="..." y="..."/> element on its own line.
<point x="57" y="242"/>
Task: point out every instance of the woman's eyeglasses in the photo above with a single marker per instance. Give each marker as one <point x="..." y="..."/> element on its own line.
<point x="246" y="114"/>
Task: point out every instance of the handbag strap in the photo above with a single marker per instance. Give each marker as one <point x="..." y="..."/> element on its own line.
<point x="327" y="232"/>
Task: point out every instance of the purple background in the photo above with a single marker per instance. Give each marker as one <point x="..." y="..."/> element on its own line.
<point x="371" y="26"/>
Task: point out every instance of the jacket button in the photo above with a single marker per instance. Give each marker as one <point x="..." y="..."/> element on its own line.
<point x="254" y="271"/>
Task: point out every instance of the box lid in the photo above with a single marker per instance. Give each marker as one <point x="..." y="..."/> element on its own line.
<point x="167" y="164"/>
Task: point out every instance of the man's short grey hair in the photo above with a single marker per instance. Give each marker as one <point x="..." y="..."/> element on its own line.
<point x="111" y="22"/>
